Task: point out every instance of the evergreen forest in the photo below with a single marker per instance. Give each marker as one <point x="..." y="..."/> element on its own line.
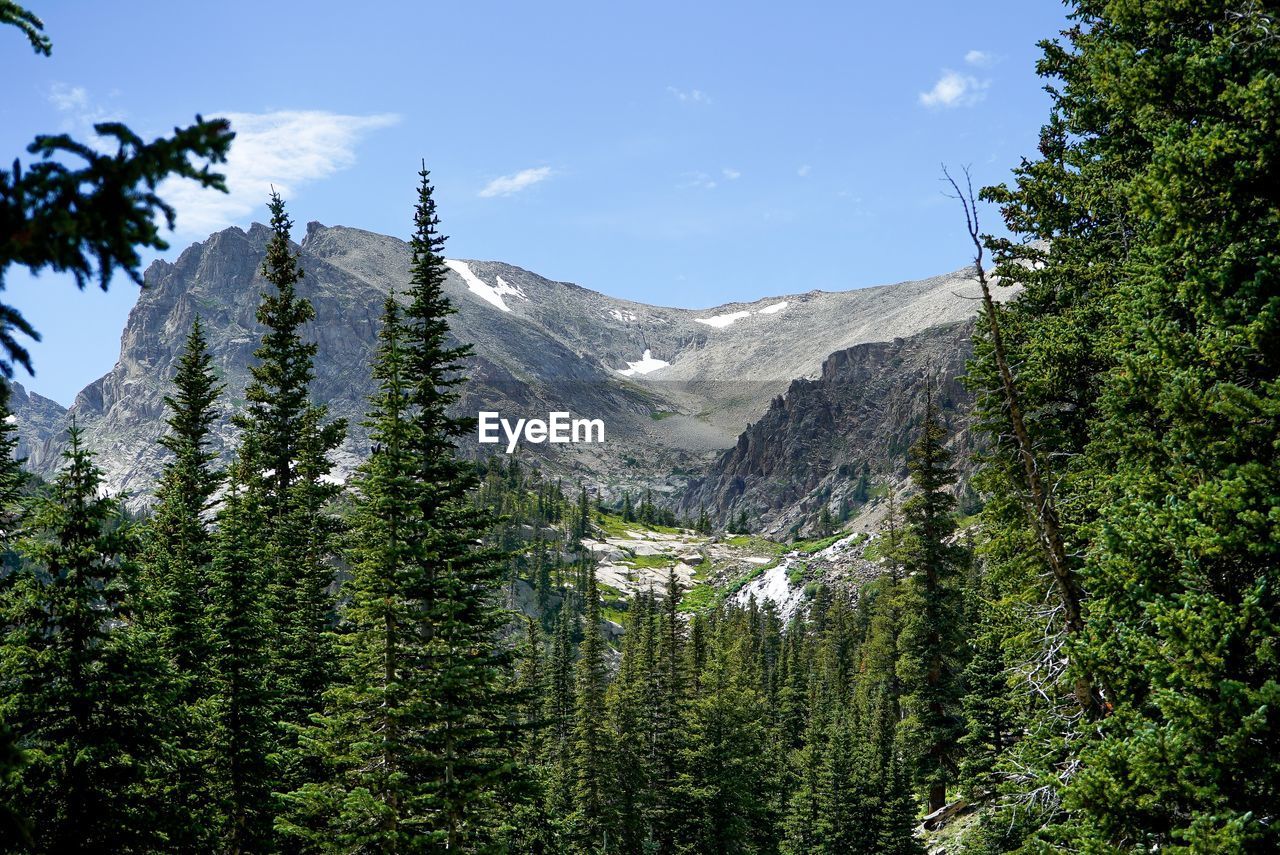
<point x="271" y="659"/>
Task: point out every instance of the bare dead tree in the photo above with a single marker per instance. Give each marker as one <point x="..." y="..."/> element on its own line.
<point x="1042" y="509"/>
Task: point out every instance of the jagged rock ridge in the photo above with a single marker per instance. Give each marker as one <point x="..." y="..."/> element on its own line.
<point x="675" y="387"/>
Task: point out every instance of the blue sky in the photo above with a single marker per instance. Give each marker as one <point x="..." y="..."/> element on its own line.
<point x="675" y="153"/>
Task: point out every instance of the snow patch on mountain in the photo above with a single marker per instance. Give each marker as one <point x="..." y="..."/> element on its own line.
<point x="480" y="288"/>
<point x="625" y="317"/>
<point x="774" y="309"/>
<point x="774" y="585"/>
<point x="646" y="365"/>
<point x="722" y="321"/>
<point x="505" y="287"/>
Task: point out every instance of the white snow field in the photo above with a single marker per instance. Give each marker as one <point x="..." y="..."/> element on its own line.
<point x="482" y="289"/>
<point x="722" y="321"/>
<point x="646" y="365"/>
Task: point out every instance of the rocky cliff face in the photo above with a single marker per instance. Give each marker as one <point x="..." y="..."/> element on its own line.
<point x="862" y="413"/>
<point x="675" y="387"/>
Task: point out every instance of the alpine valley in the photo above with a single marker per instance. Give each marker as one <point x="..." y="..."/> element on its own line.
<point x="773" y="409"/>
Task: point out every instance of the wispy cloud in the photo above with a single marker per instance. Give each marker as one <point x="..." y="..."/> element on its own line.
<point x="287" y="149"/>
<point x="80" y="111"/>
<point x="68" y="98"/>
<point x="955" y="90"/>
<point x="505" y="185"/>
<point x="690" y="96"/>
<point x="979" y="58"/>
<point x="731" y="174"/>
<point x="697" y="181"/>
<point x="804" y="171"/>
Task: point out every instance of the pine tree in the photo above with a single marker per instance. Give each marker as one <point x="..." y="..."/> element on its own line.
<point x="583" y="521"/>
<point x="285" y="446"/>
<point x="177" y="546"/>
<point x="847" y="800"/>
<point x="666" y="701"/>
<point x="703" y="525"/>
<point x="1183" y="463"/>
<point x="244" y="740"/>
<point x="725" y="787"/>
<point x="932" y="642"/>
<point x="14" y="831"/>
<point x="826" y="522"/>
<point x="371" y="798"/>
<point x="13" y="478"/>
<point x="82" y="682"/>
<point x="591" y="749"/>
<point x="628" y="719"/>
<point x="991" y="723"/>
<point x="175" y="578"/>
<point x="471" y="703"/>
<point x="558" y="712"/>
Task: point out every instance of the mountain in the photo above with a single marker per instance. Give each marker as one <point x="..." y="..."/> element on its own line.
<point x="674" y="387"/>
<point x="814" y="445"/>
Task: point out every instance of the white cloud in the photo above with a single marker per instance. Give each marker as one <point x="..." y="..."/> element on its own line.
<point x="285" y="149"/>
<point x="804" y="171"/>
<point x="68" y="98"/>
<point x="731" y="174"/>
<point x="979" y="58"/>
<point x="955" y="90"/>
<point x="690" y="96"/>
<point x="698" y="181"/>
<point x="80" y="112"/>
<point x="505" y="185"/>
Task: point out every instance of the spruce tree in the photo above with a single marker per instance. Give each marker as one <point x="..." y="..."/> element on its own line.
<point x="13" y="482"/>
<point x="558" y="713"/>
<point x="244" y="740"/>
<point x="848" y="803"/>
<point x="628" y="719"/>
<point x="83" y="685"/>
<point x="285" y="446"/>
<point x="460" y="614"/>
<point x="932" y="651"/>
<point x="177" y="546"/>
<point x="591" y="748"/>
<point x="665" y="700"/>
<point x="583" y="520"/>
<point x="370" y="797"/>
<point x="13" y="478"/>
<point x="1184" y="461"/>
<point x="725" y="786"/>
<point x="175" y="578"/>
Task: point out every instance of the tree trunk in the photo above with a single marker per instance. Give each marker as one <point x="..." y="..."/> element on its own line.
<point x="937" y="797"/>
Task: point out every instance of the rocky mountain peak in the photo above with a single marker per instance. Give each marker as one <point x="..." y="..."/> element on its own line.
<point x="675" y="387"/>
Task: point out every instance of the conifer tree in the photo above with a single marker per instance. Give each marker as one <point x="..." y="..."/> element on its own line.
<point x="471" y="702"/>
<point x="628" y="719"/>
<point x="559" y="716"/>
<point x="847" y="803"/>
<point x="14" y="830"/>
<point x="13" y="478"/>
<point x="244" y="740"/>
<point x="591" y="749"/>
<point x="665" y="697"/>
<point x="81" y="679"/>
<point x="177" y="546"/>
<point x="371" y="797"/>
<point x="285" y="446"/>
<point x="932" y="650"/>
<point x="175" y="577"/>
<point x="583" y="521"/>
<point x="725" y="787"/>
